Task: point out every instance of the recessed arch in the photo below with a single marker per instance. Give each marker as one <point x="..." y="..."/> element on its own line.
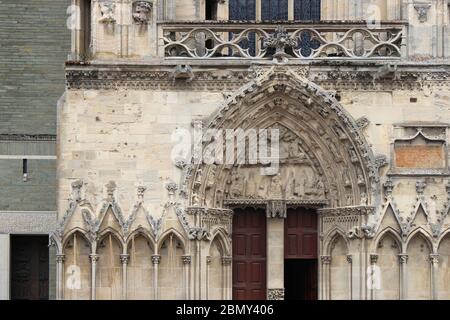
<point x="334" y="235"/>
<point x="221" y="236"/>
<point x="419" y="248"/>
<point x="168" y="233"/>
<point x="388" y="231"/>
<point x="328" y="135"/>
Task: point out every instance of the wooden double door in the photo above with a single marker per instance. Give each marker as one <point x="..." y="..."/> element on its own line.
<point x="29" y="268"/>
<point x="250" y="254"/>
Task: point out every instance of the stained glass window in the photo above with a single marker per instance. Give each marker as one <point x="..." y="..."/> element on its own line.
<point x="274" y="9"/>
<point x="307" y="10"/>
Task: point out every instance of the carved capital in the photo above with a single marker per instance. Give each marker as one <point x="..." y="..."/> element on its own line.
<point x="422" y="11"/>
<point x="434" y="258"/>
<point x="186" y="259"/>
<point x="226" y="261"/>
<point x="60" y="258"/>
<point x="325" y="259"/>
<point x="208" y="260"/>
<point x="93" y="258"/>
<point x="373" y="258"/>
<point x="275" y="294"/>
<point x="403" y="258"/>
<point x="156" y="259"/>
<point x="124" y="258"/>
<point x="349" y="258"/>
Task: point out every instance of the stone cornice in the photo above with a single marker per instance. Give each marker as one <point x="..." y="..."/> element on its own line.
<point x="347" y="211"/>
<point x="229" y="77"/>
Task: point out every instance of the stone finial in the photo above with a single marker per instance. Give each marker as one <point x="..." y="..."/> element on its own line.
<point x="172" y="187"/>
<point x="140" y="192"/>
<point x="76" y="190"/>
<point x="420" y="187"/>
<point x="388" y="187"/>
<point x="110" y="188"/>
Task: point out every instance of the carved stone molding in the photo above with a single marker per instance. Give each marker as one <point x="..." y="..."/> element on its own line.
<point x="230" y="80"/>
<point x="275" y="294"/>
<point x="347" y="211"/>
<point x="27" y="137"/>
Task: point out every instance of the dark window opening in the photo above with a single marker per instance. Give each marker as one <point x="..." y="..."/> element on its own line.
<point x="25" y="170"/>
<point x="85" y="28"/>
<point x="211" y="7"/>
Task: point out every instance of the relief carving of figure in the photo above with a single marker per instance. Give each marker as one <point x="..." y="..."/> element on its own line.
<point x="211" y="177"/>
<point x="142" y="11"/>
<point x="237" y="185"/>
<point x="275" y="190"/>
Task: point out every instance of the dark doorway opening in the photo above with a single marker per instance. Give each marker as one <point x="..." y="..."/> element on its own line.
<point x="29" y="268"/>
<point x="300" y="254"/>
<point x="300" y="279"/>
<point x="249" y="254"/>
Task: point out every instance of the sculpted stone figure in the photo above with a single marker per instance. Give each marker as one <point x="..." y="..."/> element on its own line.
<point x="275" y="190"/>
<point x="107" y="9"/>
<point x="142" y="11"/>
<point x="237" y="185"/>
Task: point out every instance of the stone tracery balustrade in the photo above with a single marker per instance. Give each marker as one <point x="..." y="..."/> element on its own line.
<point x="323" y="40"/>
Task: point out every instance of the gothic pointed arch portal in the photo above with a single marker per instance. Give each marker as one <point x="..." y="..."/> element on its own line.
<point x="324" y="157"/>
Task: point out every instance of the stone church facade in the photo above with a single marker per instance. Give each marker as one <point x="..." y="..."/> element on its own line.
<point x="359" y="92"/>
